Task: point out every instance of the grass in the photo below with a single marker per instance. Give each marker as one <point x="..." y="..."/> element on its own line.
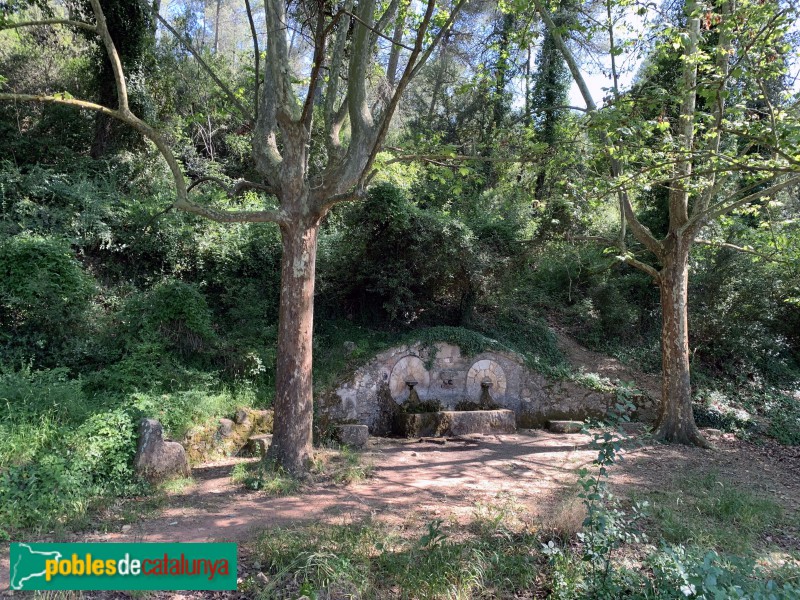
<point x="342" y="465"/>
<point x="372" y="560"/>
<point x="265" y="476"/>
<point x="177" y="485"/>
<point x="710" y="512"/>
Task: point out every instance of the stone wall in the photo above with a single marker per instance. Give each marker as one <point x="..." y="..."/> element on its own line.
<point x="442" y="373"/>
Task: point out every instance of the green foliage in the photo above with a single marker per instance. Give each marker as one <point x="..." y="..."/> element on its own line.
<point x="712" y="512"/>
<point x="60" y="450"/>
<point x="26" y="394"/>
<point x="392" y="260"/>
<point x="265" y="476"/>
<point x="715" y="411"/>
<point x="174" y="311"/>
<point x="178" y="411"/>
<point x="784" y="414"/>
<point x="44" y="293"/>
<point x="682" y="573"/>
<point x="370" y="560"/>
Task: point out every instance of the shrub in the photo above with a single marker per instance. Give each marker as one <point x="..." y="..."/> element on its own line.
<point x="44" y="292"/>
<point x="173" y="311"/>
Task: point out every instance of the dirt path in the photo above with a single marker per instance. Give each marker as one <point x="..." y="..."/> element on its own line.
<point x="533" y="469"/>
<point x="425" y="478"/>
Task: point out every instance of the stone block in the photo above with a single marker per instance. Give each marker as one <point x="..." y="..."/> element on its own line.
<point x="565" y="426"/>
<point x="480" y="421"/>
<point x="355" y="436"/>
<point x="454" y="423"/>
<point x="156" y="458"/>
<point x="225" y="429"/>
<point x="257" y="445"/>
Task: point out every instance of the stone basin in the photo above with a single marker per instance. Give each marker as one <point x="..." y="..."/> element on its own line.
<point x="453" y="423"/>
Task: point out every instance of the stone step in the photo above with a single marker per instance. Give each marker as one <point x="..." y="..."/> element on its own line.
<point x="565" y="426"/>
<point x="257" y="445"/>
<point x="355" y="436"/>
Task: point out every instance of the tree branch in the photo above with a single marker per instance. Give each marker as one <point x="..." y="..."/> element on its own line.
<point x="113" y="57"/>
<point x="125" y="117"/>
<point x="233" y="216"/>
<point x="238" y="187"/>
<point x="437" y="158"/>
<point x="720" y="208"/>
<point x="377" y="32"/>
<point x="569" y="58"/>
<point x="245" y="114"/>
<point x="639" y="230"/>
<point x="320" y="39"/>
<point x="257" y="54"/>
<point x="286" y="104"/>
<point x="744" y="249"/>
<point x="644" y="267"/>
<point x="79" y="24"/>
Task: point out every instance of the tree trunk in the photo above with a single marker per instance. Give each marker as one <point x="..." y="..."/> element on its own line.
<point x="216" y="29"/>
<point x="292" y="432"/>
<point x="676" y="420"/>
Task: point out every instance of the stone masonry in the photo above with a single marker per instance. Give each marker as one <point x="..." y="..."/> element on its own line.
<point x="442" y="373"/>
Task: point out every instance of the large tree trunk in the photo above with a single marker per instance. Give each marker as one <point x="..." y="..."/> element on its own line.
<point x="292" y="432"/>
<point x="676" y="421"/>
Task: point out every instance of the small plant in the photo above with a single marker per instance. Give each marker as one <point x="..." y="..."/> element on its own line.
<point x="434" y="536"/>
<point x="414" y="406"/>
<point x="607" y="526"/>
<point x="351" y="469"/>
<point x="265" y="476"/>
<point x="715" y="410"/>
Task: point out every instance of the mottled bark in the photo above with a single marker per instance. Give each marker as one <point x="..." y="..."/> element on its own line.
<point x="676" y="421"/>
<point x="292" y="430"/>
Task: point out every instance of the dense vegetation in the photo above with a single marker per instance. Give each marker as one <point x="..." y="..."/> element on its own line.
<point x="491" y="219"/>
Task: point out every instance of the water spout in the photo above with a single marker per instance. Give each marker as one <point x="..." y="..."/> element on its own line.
<point x="486" y="402"/>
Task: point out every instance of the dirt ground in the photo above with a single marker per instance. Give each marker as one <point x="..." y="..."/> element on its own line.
<point x="534" y="469"/>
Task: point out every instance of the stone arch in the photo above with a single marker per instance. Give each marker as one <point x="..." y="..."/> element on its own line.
<point x="482" y="370"/>
<point x="406" y="369"/>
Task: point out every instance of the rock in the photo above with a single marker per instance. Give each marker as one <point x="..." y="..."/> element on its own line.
<point x="157" y="459"/>
<point x="633" y="427"/>
<point x="349" y="347"/>
<point x="262" y="578"/>
<point x="565" y="426"/>
<point x="225" y="428"/>
<point x="126" y="528"/>
<point x="355" y="436"/>
<point x="263" y="420"/>
<point x="257" y="445"/>
<point x="241" y="417"/>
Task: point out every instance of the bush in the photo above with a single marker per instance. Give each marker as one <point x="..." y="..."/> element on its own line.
<point x="44" y="294"/>
<point x="104" y="447"/>
<point x="59" y="450"/>
<point x="172" y="311"/>
<point x="393" y="261"/>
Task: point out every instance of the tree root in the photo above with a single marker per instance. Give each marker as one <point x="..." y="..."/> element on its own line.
<point x="677" y="435"/>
